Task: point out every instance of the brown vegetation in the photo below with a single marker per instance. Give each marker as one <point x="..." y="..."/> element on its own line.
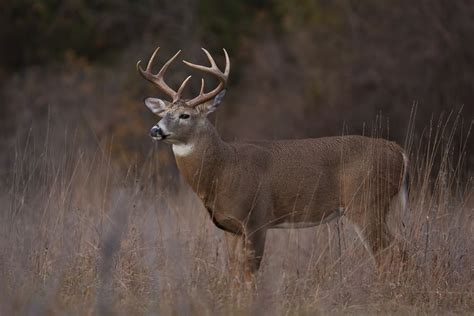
<point x="78" y="236"/>
<point x="94" y="217"/>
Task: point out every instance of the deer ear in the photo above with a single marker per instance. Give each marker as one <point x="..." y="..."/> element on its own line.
<point x="157" y="106"/>
<point x="212" y="105"/>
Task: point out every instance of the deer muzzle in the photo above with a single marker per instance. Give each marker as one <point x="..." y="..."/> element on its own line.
<point x="157" y="133"/>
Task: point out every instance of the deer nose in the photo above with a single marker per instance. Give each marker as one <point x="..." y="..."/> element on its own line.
<point x="156" y="131"/>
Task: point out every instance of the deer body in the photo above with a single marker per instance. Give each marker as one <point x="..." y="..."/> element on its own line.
<point x="250" y="187"/>
<point x="300" y="181"/>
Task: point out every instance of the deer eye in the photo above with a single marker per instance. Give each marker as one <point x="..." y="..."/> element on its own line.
<point x="184" y="116"/>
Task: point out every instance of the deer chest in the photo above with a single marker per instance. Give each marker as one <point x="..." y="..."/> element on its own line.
<point x="225" y="222"/>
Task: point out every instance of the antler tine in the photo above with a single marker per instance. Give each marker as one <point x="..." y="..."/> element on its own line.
<point x="158" y="79"/>
<point x="227" y="64"/>
<point x="214" y="70"/>
<point x="163" y="69"/>
<point x="211" y="60"/>
<point x="202" y="86"/>
<point x="181" y="88"/>
<point x="152" y="58"/>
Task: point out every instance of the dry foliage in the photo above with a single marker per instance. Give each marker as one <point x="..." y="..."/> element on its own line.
<point x="78" y="236"/>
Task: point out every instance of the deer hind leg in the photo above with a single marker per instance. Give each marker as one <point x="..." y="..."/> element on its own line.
<point x="372" y="228"/>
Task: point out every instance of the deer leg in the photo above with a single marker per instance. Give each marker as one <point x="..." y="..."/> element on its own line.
<point x="232" y="243"/>
<point x="373" y="230"/>
<point x="254" y="245"/>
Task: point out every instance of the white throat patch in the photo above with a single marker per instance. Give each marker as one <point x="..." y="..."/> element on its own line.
<point x="183" y="149"/>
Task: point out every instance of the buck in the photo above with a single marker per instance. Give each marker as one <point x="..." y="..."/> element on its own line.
<point x="250" y="187"/>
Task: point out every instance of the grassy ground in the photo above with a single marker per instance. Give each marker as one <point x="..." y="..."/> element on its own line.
<point x="78" y="236"/>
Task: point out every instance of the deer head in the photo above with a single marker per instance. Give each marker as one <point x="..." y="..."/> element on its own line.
<point x="180" y="118"/>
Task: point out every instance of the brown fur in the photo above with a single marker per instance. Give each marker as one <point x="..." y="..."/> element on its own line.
<point x="253" y="186"/>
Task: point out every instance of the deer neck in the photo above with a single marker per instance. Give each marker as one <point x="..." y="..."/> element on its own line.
<point x="200" y="159"/>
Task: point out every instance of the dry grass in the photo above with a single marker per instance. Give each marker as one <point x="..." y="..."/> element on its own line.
<point x="77" y="236"/>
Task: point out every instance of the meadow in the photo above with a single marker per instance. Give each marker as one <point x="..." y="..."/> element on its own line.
<point x="81" y="235"/>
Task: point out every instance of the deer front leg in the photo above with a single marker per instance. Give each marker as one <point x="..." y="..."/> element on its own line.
<point x="254" y="245"/>
<point x="232" y="243"/>
<point x="245" y="253"/>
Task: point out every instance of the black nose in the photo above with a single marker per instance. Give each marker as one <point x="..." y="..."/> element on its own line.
<point x="156" y="131"/>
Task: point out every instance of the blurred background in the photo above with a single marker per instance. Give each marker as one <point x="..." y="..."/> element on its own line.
<point x="95" y="219"/>
<point x="299" y="68"/>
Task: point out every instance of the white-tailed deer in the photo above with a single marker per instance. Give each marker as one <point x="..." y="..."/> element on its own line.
<point x="250" y="187"/>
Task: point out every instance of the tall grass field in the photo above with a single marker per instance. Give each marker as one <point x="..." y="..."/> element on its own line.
<point x="81" y="235"/>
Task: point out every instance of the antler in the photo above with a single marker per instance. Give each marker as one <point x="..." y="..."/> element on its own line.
<point x="213" y="70"/>
<point x="158" y="78"/>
